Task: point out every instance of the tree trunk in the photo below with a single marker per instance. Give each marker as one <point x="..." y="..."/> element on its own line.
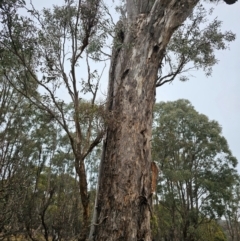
<point x="124" y="197"/>
<point x="84" y="199"/>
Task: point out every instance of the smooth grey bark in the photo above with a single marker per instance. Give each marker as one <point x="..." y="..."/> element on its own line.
<point x="124" y="195"/>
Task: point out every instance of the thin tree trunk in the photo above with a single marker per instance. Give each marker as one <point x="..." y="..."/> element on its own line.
<point x="94" y="216"/>
<point x="84" y="199"/>
<point x="124" y="197"/>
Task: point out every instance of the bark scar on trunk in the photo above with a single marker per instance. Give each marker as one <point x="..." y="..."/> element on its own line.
<point x="125" y="74"/>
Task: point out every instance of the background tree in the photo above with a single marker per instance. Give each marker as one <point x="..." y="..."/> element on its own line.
<point x="231" y="215"/>
<point x="197" y="169"/>
<point x="39" y="197"/>
<point x="46" y="50"/>
<point x="19" y="152"/>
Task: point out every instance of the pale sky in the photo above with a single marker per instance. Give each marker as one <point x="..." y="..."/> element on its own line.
<point x="217" y="96"/>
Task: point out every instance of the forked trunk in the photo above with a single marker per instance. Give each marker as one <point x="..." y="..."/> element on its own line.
<point x="124" y="195"/>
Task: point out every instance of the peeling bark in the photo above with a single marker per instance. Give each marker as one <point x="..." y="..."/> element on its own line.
<point x="125" y="188"/>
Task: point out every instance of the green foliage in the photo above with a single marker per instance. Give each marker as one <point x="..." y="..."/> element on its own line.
<point x="197" y="167"/>
<point x="231" y="214"/>
<point x="193" y="46"/>
<point x="39" y="189"/>
<point x="42" y="52"/>
<point x="210" y="231"/>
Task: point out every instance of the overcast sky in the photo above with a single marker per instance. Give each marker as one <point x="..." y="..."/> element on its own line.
<point x="217" y="96"/>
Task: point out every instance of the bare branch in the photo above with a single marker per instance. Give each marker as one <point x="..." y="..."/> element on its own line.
<point x="96" y="141"/>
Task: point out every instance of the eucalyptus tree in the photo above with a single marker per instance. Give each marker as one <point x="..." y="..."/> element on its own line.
<point x="143" y="35"/>
<point x="231" y="214"/>
<point x="39" y="197"/>
<point x="47" y="49"/>
<point x="23" y="151"/>
<point x="163" y="228"/>
<point x="13" y="154"/>
<point x="197" y="167"/>
<point x="52" y="209"/>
